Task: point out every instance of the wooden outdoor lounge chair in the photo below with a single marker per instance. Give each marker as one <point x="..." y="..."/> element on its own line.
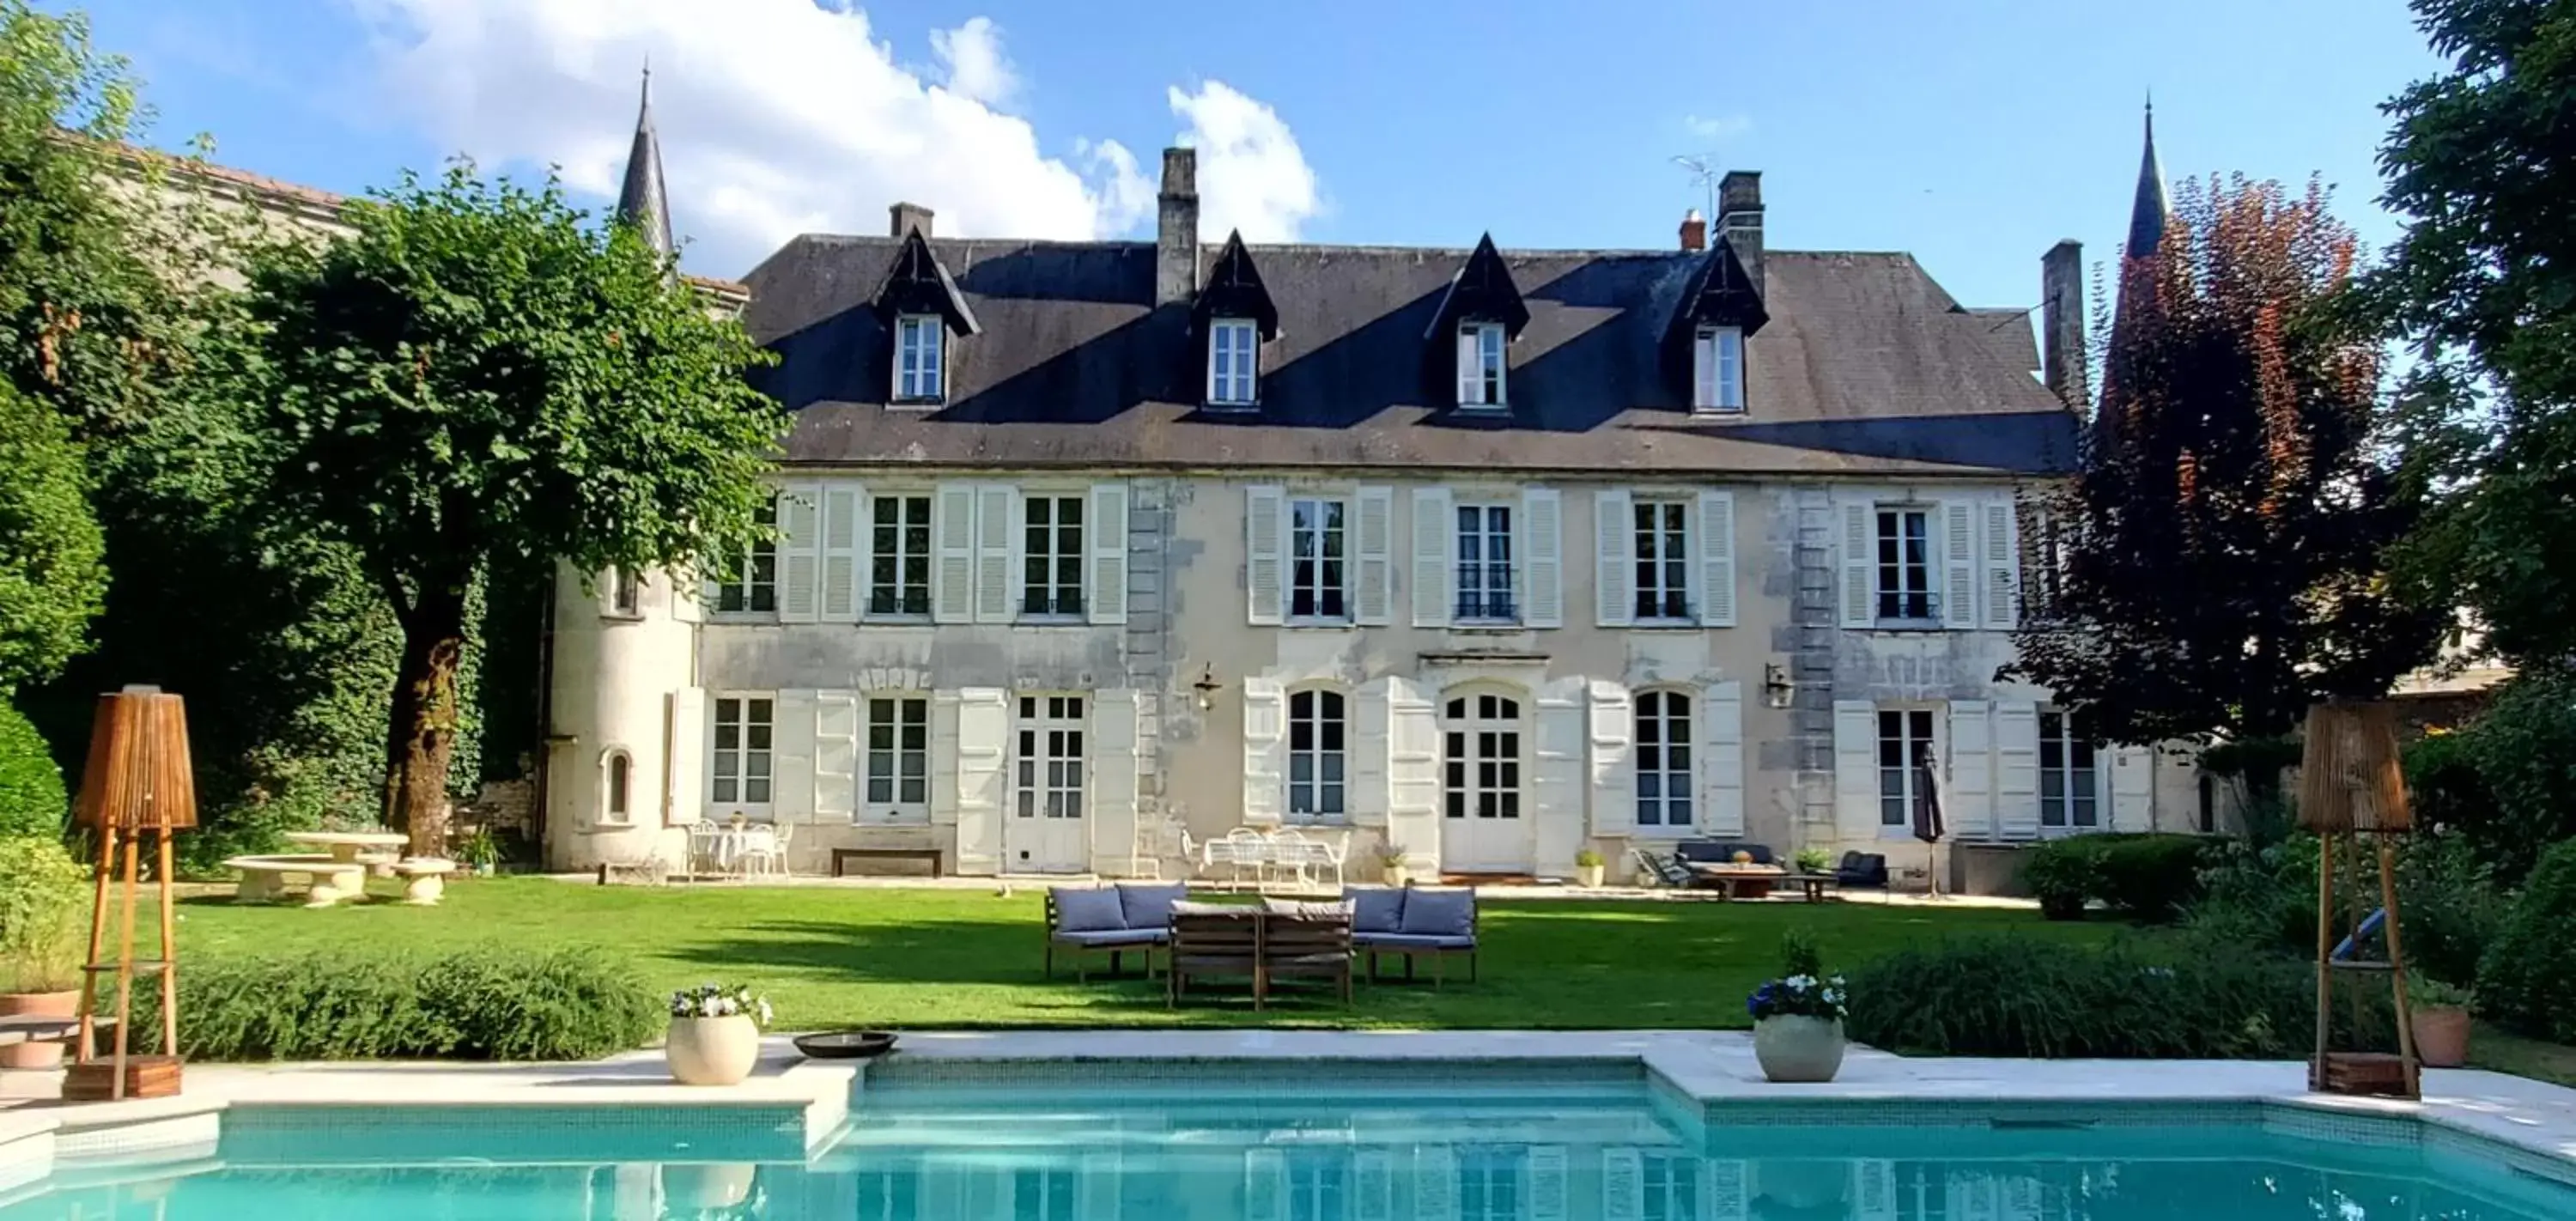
<point x="1314" y="943"/>
<point x="1220" y="943"/>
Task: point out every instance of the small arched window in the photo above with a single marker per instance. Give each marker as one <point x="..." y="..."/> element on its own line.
<point x="1317" y="756"/>
<point x="1663" y="758"/>
<point x="625" y="593"/>
<point x="617" y="787"/>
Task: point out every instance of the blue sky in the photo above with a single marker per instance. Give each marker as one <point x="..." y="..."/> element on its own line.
<point x="1971" y="132"/>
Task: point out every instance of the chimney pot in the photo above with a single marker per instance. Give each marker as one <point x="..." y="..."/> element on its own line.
<point x="1739" y="220"/>
<point x="903" y="218"/>
<point x="1694" y="231"/>
<point x="2061" y="324"/>
<point x="1176" y="229"/>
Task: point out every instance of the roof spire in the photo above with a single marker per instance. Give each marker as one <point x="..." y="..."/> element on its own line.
<point x="2152" y="207"/>
<point x="643" y="201"/>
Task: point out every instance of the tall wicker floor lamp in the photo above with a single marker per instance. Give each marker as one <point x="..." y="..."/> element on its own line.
<point x="138" y="781"/>
<point x="2351" y="790"/>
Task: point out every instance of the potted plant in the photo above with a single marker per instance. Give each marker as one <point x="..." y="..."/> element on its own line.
<point x="1798" y="1018"/>
<point x="480" y="852"/>
<point x="1587" y="868"/>
<point x="2439" y="1017"/>
<point x="1391" y="866"/>
<point x="715" y="1034"/>
<point x="44" y="900"/>
<point x="1813" y="862"/>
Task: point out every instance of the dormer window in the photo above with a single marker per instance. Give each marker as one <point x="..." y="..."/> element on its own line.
<point x="1480" y="364"/>
<point x="1234" y="362"/>
<point x="917" y="340"/>
<point x="1717" y="369"/>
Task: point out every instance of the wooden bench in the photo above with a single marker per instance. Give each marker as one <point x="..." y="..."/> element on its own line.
<point x="841" y="857"/>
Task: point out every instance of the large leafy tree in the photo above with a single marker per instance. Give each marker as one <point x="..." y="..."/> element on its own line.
<point x="476" y="381"/>
<point x="2482" y="164"/>
<point x="2222" y="547"/>
<point x="52" y="572"/>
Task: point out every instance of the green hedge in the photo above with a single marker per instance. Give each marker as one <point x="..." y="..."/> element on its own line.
<point x="2141" y="876"/>
<point x="32" y="800"/>
<point x="2527" y="981"/>
<point x="564" y="1004"/>
<point x="2524" y="796"/>
<point x="2267" y="901"/>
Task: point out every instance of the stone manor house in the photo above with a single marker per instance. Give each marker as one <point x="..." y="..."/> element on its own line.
<point x="1090" y="551"/>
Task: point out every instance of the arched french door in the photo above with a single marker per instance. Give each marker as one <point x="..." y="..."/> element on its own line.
<point x="1484" y="806"/>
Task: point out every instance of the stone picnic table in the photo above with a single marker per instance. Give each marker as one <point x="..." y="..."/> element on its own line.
<point x="354" y="847"/>
<point x="339" y="872"/>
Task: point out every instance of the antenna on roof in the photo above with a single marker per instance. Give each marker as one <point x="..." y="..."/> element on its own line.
<point x="1704" y="172"/>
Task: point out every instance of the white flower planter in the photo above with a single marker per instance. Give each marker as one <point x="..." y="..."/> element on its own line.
<point x="712" y="1050"/>
<point x="1798" y="1048"/>
<point x="1588" y="876"/>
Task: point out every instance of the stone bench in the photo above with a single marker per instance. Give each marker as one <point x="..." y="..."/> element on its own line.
<point x="328" y="880"/>
<point x="424" y="878"/>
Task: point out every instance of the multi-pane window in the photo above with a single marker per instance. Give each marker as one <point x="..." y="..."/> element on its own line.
<point x="2069" y="782"/>
<point x="1480" y="364"/>
<point x="741" y="771"/>
<point x="1717" y="368"/>
<point x="1319" y="1184"/>
<point x="1671" y="1187"/>
<point x="899" y="555"/>
<point x="1904" y="748"/>
<point x="1663" y="750"/>
<point x="917" y="357"/>
<point x="1481" y="757"/>
<point x="1905" y="564"/>
<point x="898" y="760"/>
<point x="1051" y="556"/>
<point x="1234" y="362"/>
<point x="1663" y="563"/>
<point x="1049" y="756"/>
<point x="750" y="581"/>
<point x="621" y="782"/>
<point x="1316" y="756"/>
<point x="1485" y="564"/>
<point x="1492" y="1180"/>
<point x="625" y="593"/>
<point x="1316" y="537"/>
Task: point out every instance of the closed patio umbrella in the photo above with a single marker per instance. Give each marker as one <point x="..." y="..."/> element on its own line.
<point x="1928" y="825"/>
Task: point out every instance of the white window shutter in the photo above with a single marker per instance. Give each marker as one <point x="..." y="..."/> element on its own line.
<point x="2017" y="770"/>
<point x="1614" y="773"/>
<point x="1956" y="557"/>
<point x="1435" y="1182"/>
<point x="1373" y="601"/>
<point x="792" y="758"/>
<point x="1372" y="1185"/>
<point x="1614" y="572"/>
<point x="1545" y="1169"/>
<point x="684" y="773"/>
<point x="1265" y="1184"/>
<point x="1265" y="751"/>
<point x="983" y="776"/>
<point x="1860" y="547"/>
<point x="1729" y="1191"/>
<point x="1558" y="767"/>
<point x="997" y="553"/>
<point x="1432" y="596"/>
<point x="1367" y="796"/>
<point x="1717" y="559"/>
<point x="1623" y="1184"/>
<point x="1413" y="771"/>
<point x="2003" y="567"/>
<point x="953" y="598"/>
<point x="1970" y="810"/>
<point x="1107" y="573"/>
<point x="1265" y="547"/>
<point x="1855" y="769"/>
<point x="842" y="543"/>
<point x="1112" y="806"/>
<point x="799" y="550"/>
<point x="836" y="756"/>
<point x="2133" y="788"/>
<point x="1542" y="558"/>
<point x="1721" y="758"/>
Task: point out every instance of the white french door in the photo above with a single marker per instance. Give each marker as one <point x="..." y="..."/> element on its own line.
<point x="1483" y="825"/>
<point x="1046" y="830"/>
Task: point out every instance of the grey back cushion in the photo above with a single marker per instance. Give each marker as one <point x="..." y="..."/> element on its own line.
<point x="1329" y="909"/>
<point x="1149" y="904"/>
<point x="1375" y="909"/>
<point x="1086" y="909"/>
<point x="1439" y="913"/>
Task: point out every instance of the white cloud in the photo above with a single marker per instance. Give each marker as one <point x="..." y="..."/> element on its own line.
<point x="1723" y="127"/>
<point x="1252" y="175"/>
<point x="779" y="117"/>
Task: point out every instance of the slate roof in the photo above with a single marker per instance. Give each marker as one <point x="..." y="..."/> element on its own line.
<point x="1866" y="367"/>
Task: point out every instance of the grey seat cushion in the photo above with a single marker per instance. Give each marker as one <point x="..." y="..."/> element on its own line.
<point x="1410" y="941"/>
<point x="1439" y="913"/>
<point x="1149" y="904"/>
<point x="1106" y="937"/>
<point x="1188" y="907"/>
<point x="1375" y="909"/>
<point x="1086" y="909"/>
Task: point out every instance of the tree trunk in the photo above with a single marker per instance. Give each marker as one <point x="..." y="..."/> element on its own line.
<point x="423" y="727"/>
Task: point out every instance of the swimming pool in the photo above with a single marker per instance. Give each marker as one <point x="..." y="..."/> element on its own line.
<point x="1106" y="1143"/>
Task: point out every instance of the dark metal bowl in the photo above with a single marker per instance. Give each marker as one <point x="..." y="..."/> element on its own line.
<point x="845" y="1044"/>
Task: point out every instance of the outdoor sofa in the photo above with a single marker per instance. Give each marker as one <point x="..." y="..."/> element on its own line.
<point x="1110" y="919"/>
<point x="1415" y="922"/>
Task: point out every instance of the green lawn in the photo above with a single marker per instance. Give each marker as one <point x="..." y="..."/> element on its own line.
<point x="949" y="958"/>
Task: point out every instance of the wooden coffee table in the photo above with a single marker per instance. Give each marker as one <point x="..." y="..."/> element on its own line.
<point x="1733" y="881"/>
<point x="1813" y="885"/>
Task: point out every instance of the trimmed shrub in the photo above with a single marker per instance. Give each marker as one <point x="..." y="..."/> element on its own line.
<point x="2527" y="981"/>
<point x="2524" y="749"/>
<point x="478" y="1005"/>
<point x="2063" y="876"/>
<point x="2141" y="876"/>
<point x="2267" y="901"/>
<point x="44" y="910"/>
<point x="32" y="799"/>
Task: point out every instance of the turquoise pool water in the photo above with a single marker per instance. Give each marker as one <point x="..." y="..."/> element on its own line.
<point x="1286" y="1150"/>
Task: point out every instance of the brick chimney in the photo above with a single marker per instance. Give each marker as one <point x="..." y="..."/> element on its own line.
<point x="903" y="218"/>
<point x="1694" y="231"/>
<point x="1739" y="220"/>
<point x="1176" y="229"/>
<point x="2061" y="324"/>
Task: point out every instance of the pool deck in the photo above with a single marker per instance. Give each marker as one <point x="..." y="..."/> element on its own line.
<point x="1716" y="1068"/>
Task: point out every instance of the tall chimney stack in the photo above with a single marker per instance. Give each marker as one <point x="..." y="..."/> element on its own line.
<point x="1739" y="220"/>
<point x="1694" y="231"/>
<point x="1176" y="229"/>
<point x="2061" y="324"/>
<point x="903" y="218"/>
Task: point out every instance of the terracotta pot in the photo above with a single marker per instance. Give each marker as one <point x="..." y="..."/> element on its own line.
<point x="1798" y="1048"/>
<point x="36" y="1004"/>
<point x="712" y="1050"/>
<point x="1589" y="876"/>
<point x="2442" y="1037"/>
